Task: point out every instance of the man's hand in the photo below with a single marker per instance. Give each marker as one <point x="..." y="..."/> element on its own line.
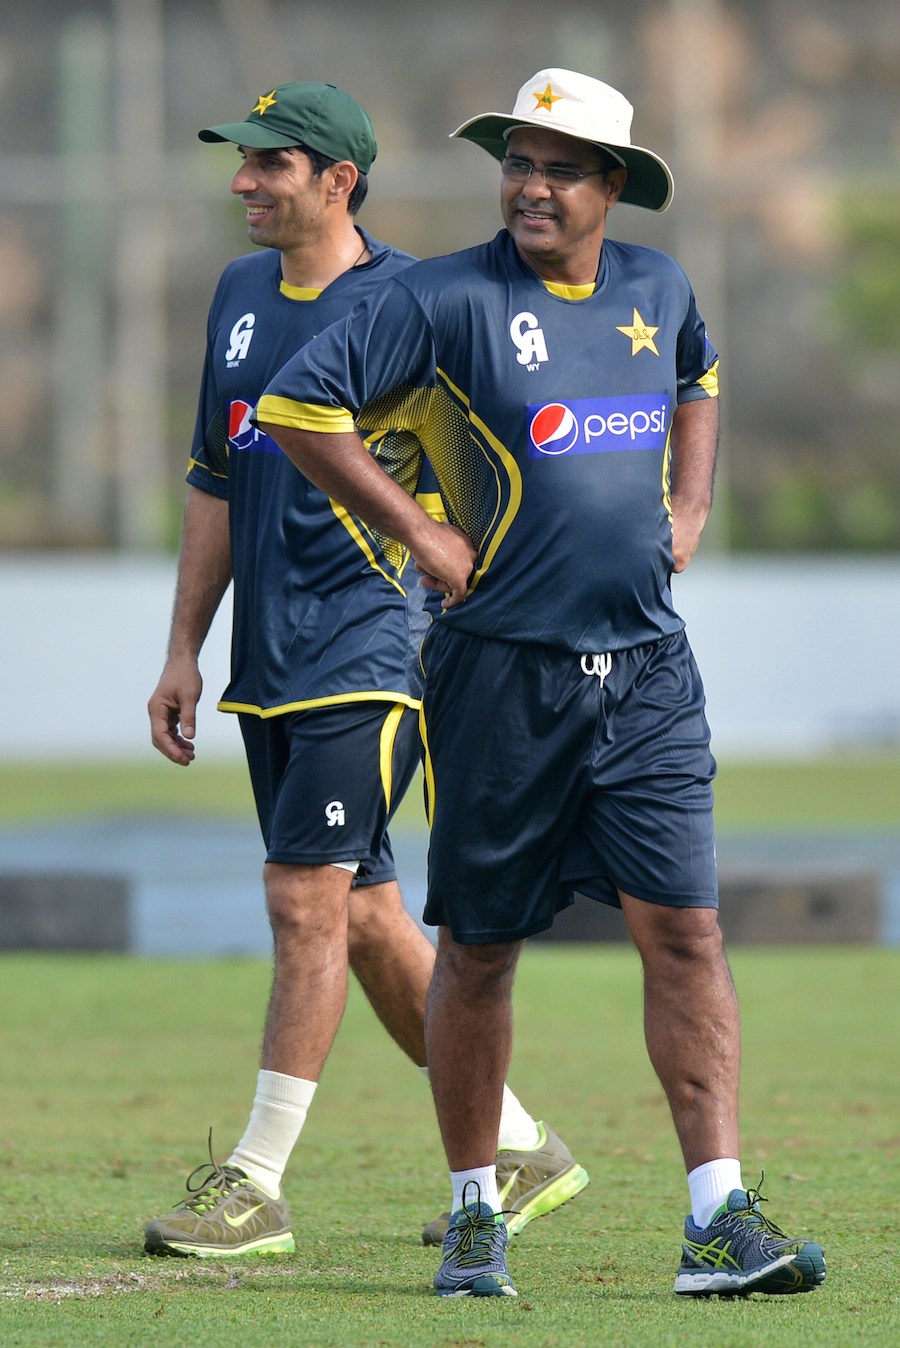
<point x="445" y="560"/>
<point x="686" y="531"/>
<point x="173" y="705"/>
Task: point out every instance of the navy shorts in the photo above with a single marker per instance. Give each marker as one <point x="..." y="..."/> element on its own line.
<point x="328" y="781"/>
<point x="549" y="772"/>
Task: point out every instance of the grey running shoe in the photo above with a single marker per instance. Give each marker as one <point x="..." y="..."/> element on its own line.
<point x="474" y="1257"/>
<point x="741" y="1251"/>
<point x="531" y="1183"/>
<point x="224" y="1214"/>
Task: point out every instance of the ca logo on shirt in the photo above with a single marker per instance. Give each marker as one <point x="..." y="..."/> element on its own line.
<point x="529" y="339"/>
<point x="240" y="339"/>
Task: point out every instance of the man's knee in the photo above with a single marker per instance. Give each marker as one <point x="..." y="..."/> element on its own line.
<point x="684" y="935"/>
<point x="376" y="916"/>
<point x="302" y="901"/>
<point x="477" y="967"/>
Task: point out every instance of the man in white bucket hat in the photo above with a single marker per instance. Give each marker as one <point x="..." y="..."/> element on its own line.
<point x="586" y="109"/>
<point x="564" y="390"/>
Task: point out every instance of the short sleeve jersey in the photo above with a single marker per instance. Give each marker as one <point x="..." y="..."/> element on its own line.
<point x="320" y="604"/>
<point x="546" y="420"/>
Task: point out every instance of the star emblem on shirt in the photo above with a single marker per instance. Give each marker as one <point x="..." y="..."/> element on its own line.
<point x="546" y="99"/>
<point x="264" y="102"/>
<point x="641" y="335"/>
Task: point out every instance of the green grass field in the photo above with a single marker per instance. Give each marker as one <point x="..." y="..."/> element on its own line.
<point x="114" y="1068"/>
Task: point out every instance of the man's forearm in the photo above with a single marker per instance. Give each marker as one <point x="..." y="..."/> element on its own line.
<point x="204" y="572"/>
<point x="340" y="465"/>
<point x="695" y="438"/>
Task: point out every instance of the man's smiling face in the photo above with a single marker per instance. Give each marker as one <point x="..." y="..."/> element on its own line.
<point x="558" y="231"/>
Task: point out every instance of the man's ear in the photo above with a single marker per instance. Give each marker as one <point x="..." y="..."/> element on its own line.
<point x="344" y="176"/>
<point x="615" y="185"/>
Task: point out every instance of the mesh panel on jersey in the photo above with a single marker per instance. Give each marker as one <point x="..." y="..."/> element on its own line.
<point x="215" y="445"/>
<point x="430" y="418"/>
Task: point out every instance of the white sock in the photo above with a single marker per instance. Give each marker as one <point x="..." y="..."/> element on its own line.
<point x="518" y="1130"/>
<point x="710" y="1185"/>
<point x="486" y="1179"/>
<point x="277" y="1117"/>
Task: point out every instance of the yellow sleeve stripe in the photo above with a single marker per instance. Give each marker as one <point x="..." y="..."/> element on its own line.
<point x="304" y="416"/>
<point x="194" y="463"/>
<point x="710" y="381"/>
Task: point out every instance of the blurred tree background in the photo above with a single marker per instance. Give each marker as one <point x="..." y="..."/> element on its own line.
<point x="780" y="118"/>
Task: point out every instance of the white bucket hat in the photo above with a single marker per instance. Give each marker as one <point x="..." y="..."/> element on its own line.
<point x="577" y="105"/>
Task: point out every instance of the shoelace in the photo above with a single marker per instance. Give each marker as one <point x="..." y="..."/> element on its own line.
<point x="753" y="1213"/>
<point x="217" y="1182"/>
<point x="475" y="1240"/>
<point x="474" y="1245"/>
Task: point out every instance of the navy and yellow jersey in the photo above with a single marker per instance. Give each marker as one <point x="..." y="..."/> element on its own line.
<point x="320" y="606"/>
<point x="545" y="413"/>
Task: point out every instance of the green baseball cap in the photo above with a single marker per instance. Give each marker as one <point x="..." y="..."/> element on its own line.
<point x="320" y="116"/>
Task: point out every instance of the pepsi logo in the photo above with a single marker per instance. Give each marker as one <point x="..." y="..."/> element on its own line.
<point x="598" y="425"/>
<point x="553" y="429"/>
<point x="243" y="435"/>
<point x="240" y="431"/>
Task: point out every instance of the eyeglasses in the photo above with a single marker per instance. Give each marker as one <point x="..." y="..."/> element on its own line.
<point x="554" y="175"/>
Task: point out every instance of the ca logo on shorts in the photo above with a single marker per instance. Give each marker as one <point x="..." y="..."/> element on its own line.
<point x="240" y="339"/>
<point x="334" y="813"/>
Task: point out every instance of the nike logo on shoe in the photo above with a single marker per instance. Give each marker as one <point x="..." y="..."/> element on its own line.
<point x="237" y="1222"/>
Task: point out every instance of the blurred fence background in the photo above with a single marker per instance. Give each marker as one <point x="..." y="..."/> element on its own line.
<point x="781" y="119"/>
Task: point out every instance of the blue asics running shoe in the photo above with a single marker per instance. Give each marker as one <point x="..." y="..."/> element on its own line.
<point x="741" y="1251"/>
<point x="474" y="1258"/>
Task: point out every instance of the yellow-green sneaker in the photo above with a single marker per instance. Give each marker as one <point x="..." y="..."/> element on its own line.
<point x="224" y="1214"/>
<point x="531" y="1184"/>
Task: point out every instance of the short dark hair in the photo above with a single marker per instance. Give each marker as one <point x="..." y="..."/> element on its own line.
<point x="608" y="161"/>
<point x="321" y="162"/>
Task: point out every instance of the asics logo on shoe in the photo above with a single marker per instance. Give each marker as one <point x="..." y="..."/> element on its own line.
<point x="715" y="1254"/>
<point x="238" y="1222"/>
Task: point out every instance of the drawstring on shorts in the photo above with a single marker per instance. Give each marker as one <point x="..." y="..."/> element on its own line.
<point x="596" y="664"/>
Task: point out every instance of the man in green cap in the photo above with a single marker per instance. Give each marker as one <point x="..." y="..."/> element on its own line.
<point x="324" y="676"/>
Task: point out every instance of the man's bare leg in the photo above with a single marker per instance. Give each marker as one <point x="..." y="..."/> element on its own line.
<point x="468" y="1034"/>
<point x="691" y="1024"/>
<point x="308" y="907"/>
<point x="392" y="959"/>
